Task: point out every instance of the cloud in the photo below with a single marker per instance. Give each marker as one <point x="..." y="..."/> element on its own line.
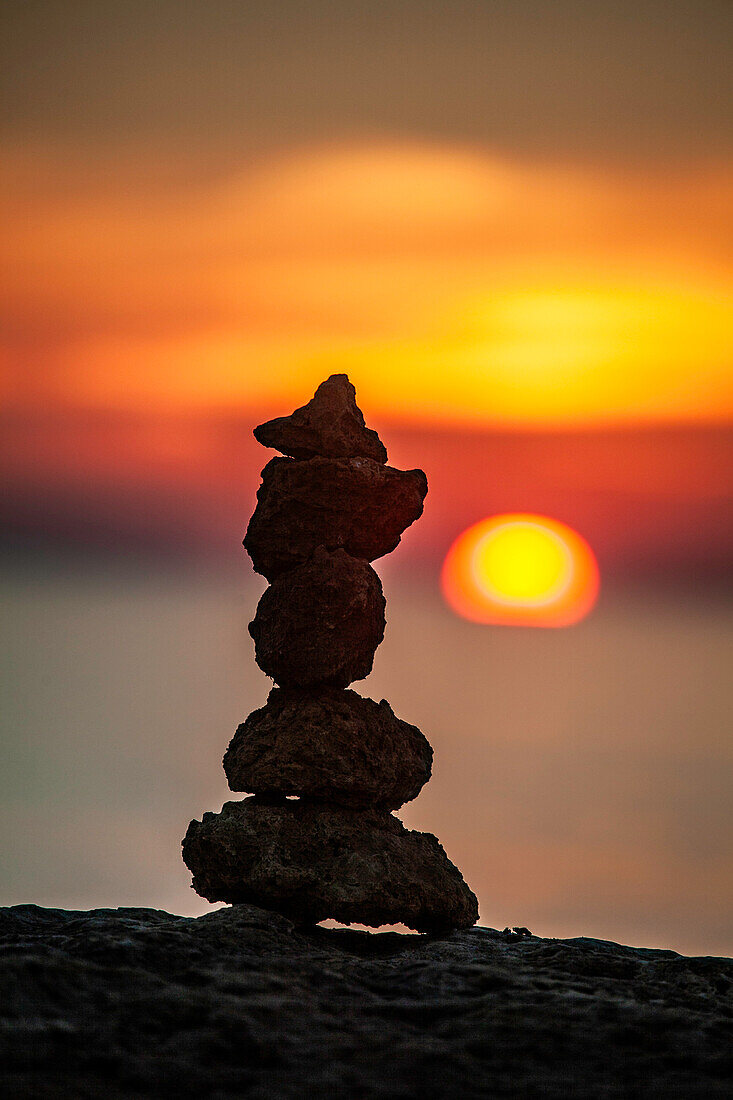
<point x="426" y="262"/>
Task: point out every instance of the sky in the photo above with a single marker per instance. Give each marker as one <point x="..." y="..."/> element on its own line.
<point x="534" y="77"/>
<point x="506" y="214"/>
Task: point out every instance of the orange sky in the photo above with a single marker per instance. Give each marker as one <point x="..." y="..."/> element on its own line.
<point x="452" y="282"/>
<point x="503" y="214"/>
<point x="494" y="214"/>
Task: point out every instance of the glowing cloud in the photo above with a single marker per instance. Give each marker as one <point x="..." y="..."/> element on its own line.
<point x="520" y="569"/>
<point x="453" y="285"/>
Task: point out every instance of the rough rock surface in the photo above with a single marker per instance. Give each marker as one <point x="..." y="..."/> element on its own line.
<point x="320" y="623"/>
<point x="124" y="1003"/>
<point x="331" y="424"/>
<point x="353" y="503"/>
<point x="329" y="744"/>
<point x="312" y="862"/>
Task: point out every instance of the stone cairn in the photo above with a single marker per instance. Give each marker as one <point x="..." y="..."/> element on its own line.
<point x="335" y="850"/>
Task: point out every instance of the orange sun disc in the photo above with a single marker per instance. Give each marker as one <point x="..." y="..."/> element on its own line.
<point x="520" y="569"/>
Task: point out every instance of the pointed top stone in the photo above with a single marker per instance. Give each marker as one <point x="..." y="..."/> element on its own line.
<point x="331" y="425"/>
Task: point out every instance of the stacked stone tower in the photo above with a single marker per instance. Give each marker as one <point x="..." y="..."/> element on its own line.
<point x="323" y="514"/>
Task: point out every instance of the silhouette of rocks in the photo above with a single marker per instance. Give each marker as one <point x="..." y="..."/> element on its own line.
<point x="311" y="861"/>
<point x="350" y="503"/>
<point x="320" y="623"/>
<point x="322" y="515"/>
<point x="332" y="745"/>
<point x="330" y="424"/>
<point x="132" y="1003"/>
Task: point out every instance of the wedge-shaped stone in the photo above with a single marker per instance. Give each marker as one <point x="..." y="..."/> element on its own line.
<point x="350" y="503"/>
<point x="310" y="862"/>
<point x="320" y="623"/>
<point x="330" y="424"/>
<point x="332" y="745"/>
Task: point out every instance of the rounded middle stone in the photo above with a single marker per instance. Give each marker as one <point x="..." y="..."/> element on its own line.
<point x="331" y="745"/>
<point x="320" y="623"/>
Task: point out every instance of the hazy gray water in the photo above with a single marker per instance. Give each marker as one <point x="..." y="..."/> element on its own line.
<point x="582" y="778"/>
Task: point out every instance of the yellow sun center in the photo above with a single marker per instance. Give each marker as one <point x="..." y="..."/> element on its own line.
<point x="520" y="569"/>
<point x="522" y="562"/>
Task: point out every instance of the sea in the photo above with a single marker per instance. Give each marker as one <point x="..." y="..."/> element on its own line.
<point x="582" y="779"/>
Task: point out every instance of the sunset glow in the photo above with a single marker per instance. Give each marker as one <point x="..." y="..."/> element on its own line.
<point x="510" y="226"/>
<point x="520" y="294"/>
<point x="520" y="569"/>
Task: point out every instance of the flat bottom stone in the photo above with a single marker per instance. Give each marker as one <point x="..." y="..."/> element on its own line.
<point x="310" y="862"/>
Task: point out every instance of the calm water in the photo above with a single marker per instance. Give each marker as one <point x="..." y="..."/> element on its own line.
<point x="582" y="777"/>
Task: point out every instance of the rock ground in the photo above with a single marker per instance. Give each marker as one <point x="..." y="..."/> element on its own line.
<point x="138" y="1003"/>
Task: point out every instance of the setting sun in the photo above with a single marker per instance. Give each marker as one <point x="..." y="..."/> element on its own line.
<point x="520" y="569"/>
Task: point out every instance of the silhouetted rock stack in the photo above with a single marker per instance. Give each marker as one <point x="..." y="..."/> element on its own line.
<point x="322" y="515"/>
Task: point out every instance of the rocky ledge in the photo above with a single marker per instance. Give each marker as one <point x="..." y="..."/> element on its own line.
<point x="241" y="1002"/>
